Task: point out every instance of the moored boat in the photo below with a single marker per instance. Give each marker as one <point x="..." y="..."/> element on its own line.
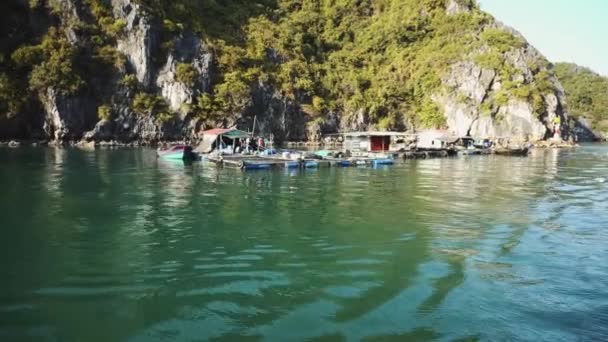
<point x="522" y="151"/>
<point x="474" y="151"/>
<point x="469" y="152"/>
<point x="178" y="152"/>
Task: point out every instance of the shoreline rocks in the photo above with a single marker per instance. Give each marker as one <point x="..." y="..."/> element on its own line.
<point x="552" y="143"/>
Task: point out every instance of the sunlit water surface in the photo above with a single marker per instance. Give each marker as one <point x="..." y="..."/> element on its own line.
<point x="117" y="245"/>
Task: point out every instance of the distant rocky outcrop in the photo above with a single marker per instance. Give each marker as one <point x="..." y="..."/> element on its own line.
<point x="472" y="85"/>
<point x="587" y="99"/>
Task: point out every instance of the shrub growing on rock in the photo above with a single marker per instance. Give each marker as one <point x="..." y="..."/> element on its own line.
<point x="104" y="112"/>
<point x="148" y="104"/>
<point x="186" y="73"/>
<point x="129" y="81"/>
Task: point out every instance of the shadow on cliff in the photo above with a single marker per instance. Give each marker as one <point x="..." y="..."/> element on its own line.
<point x="19" y="26"/>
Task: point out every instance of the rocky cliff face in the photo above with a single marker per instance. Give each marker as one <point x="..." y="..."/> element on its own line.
<point x="516" y="118"/>
<point x="140" y="40"/>
<point x="471" y="106"/>
<point x="66" y="117"/>
<point x="187" y="49"/>
<point x="474" y="98"/>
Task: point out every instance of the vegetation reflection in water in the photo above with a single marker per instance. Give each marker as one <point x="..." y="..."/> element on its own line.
<point x="116" y="245"/>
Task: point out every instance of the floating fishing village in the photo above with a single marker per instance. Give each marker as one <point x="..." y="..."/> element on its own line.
<point x="234" y="148"/>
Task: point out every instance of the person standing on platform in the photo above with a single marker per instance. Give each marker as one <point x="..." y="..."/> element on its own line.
<point x="557" y="123"/>
<point x="248" y="144"/>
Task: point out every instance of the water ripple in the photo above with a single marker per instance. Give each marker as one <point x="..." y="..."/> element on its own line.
<point x="479" y="248"/>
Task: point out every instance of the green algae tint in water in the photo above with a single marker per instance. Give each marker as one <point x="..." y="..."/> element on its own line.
<point x="119" y="246"/>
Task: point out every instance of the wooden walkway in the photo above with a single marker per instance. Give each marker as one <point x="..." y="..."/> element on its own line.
<point x="259" y="162"/>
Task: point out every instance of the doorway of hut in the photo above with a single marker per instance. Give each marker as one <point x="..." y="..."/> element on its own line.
<point x="380" y="143"/>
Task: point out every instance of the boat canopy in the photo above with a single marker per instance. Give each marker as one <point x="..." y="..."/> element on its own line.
<point x="210" y="136"/>
<point x="231" y="133"/>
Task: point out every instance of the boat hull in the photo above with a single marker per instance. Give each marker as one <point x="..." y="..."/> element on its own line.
<point x="474" y="152"/>
<point x="185" y="153"/>
<point x="172" y="155"/>
<point x="511" y="152"/>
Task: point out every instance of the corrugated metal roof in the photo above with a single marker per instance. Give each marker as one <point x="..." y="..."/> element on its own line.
<point x="229" y="132"/>
<point x="217" y="131"/>
<point x="374" y="134"/>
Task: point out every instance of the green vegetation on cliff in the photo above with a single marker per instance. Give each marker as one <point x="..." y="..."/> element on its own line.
<point x="51" y="63"/>
<point x="380" y="59"/>
<point x="47" y="48"/>
<point x="150" y="105"/>
<point x="587" y="94"/>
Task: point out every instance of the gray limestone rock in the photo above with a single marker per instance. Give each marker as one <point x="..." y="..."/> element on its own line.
<point x="191" y="50"/>
<point x="67" y="117"/>
<point x="140" y="41"/>
<point x="471" y="108"/>
<point x="458" y="6"/>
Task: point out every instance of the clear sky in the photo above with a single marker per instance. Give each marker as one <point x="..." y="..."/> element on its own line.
<point x="562" y="30"/>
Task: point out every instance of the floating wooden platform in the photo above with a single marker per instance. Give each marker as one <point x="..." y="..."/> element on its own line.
<point x="423" y="154"/>
<point x="475" y="152"/>
<point x="245" y="162"/>
<point x="277" y="161"/>
<point x="419" y="154"/>
<point x="428" y="154"/>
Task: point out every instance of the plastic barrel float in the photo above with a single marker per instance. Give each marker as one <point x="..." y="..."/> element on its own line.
<point x="252" y="166"/>
<point x="256" y="167"/>
<point x="311" y="164"/>
<point x="385" y="161"/>
<point x="292" y="165"/>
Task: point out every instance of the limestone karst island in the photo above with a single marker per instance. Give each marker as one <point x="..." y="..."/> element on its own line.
<point x="303" y="170"/>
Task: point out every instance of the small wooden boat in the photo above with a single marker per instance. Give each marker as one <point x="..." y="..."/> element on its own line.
<point x="474" y="151"/>
<point x="469" y="152"/>
<point x="523" y="151"/>
<point x="178" y="152"/>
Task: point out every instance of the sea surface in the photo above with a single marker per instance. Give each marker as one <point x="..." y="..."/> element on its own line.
<point x="115" y="245"/>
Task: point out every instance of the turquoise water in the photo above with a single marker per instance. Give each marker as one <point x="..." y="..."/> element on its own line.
<point x="119" y="246"/>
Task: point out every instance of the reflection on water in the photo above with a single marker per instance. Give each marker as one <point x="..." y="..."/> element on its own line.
<point x="117" y="245"/>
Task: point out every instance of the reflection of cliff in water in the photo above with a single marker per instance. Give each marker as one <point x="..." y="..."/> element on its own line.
<point x="336" y="263"/>
<point x="433" y="209"/>
<point x="478" y="201"/>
